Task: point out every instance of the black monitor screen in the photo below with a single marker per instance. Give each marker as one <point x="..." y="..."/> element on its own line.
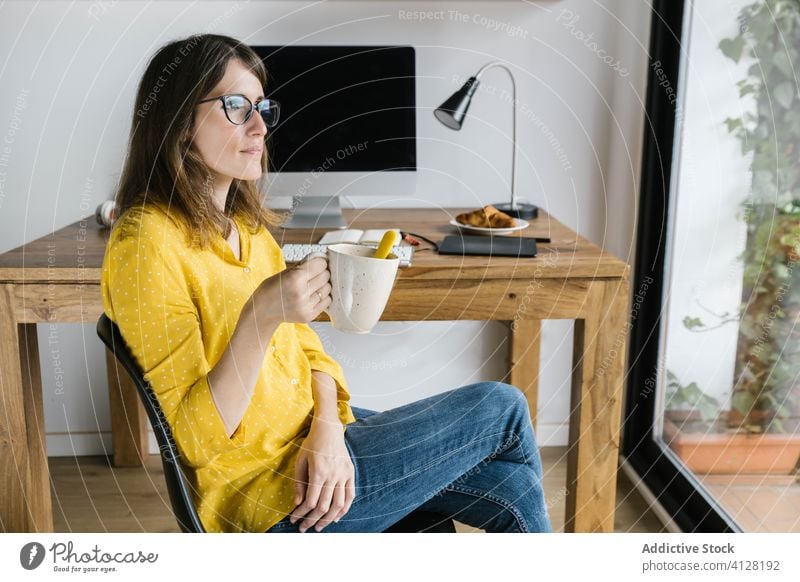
<point x="343" y="108"/>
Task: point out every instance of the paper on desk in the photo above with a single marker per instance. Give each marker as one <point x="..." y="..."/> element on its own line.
<point x="354" y="235"/>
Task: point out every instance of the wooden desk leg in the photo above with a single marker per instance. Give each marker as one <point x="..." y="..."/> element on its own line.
<point x="523" y="355"/>
<point x="596" y="405"/>
<point x="25" y="504"/>
<point x="41" y="502"/>
<point x="128" y="417"/>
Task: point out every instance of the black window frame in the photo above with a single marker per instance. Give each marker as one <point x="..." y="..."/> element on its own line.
<point x="691" y="508"/>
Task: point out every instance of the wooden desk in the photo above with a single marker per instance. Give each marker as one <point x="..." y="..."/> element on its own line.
<point x="57" y="279"/>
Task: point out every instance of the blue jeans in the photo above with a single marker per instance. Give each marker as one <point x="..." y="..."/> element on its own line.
<point x="469" y="454"/>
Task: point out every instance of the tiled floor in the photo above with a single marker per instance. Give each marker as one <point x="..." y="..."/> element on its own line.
<point x="758" y="503"/>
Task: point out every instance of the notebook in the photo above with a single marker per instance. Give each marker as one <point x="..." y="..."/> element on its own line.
<point x="506" y="246"/>
<point x="357" y="236"/>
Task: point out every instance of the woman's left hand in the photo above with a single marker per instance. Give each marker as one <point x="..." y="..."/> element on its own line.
<point x="324" y="478"/>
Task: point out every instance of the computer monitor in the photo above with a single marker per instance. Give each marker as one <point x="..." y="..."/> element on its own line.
<point x="347" y="126"/>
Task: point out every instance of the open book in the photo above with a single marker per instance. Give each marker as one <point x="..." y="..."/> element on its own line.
<point x="354" y="235"/>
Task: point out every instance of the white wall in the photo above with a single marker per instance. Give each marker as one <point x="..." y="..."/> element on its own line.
<point x="68" y="73"/>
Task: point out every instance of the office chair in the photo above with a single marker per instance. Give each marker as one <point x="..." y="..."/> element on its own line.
<point x="180" y="493"/>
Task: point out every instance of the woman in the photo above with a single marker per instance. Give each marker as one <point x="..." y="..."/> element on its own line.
<point x="219" y="326"/>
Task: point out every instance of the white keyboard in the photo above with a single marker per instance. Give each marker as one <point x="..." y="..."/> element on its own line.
<point x="294" y="252"/>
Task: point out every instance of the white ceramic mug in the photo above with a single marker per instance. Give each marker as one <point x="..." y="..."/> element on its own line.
<point x="360" y="285"/>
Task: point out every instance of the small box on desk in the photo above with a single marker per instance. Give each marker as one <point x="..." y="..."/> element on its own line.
<point x="503" y="246"/>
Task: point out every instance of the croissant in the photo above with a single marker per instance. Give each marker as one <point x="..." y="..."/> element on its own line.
<point x="486" y="217"/>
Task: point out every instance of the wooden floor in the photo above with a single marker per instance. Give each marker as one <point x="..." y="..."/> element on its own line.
<point x="91" y="496"/>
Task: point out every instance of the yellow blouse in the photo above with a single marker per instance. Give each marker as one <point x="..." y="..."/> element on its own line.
<point x="177" y="308"/>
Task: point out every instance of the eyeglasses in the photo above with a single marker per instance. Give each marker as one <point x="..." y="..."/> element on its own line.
<point x="239" y="108"/>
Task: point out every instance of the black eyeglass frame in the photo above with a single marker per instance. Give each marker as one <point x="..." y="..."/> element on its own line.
<point x="253" y="107"/>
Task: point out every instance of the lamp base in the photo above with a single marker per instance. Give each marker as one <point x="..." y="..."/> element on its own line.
<point x="521" y="210"/>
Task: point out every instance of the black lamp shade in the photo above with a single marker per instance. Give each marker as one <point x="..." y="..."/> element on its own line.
<point x="453" y="111"/>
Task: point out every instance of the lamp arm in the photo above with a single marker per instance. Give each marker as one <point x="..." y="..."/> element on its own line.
<point x="499" y="64"/>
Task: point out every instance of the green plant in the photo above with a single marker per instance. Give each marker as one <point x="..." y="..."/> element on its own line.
<point x="766" y="395"/>
<point x="691" y="400"/>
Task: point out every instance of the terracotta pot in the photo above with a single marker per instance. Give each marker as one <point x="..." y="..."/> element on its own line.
<point x="682" y="416"/>
<point x="757" y="417"/>
<point x="734" y="454"/>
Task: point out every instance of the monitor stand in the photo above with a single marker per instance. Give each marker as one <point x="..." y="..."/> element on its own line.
<point x="315" y="212"/>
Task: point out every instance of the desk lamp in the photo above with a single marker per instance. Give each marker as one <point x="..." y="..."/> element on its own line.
<point x="451" y="114"/>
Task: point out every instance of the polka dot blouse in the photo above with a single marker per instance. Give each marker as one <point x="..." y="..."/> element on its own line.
<point x="177" y="308"/>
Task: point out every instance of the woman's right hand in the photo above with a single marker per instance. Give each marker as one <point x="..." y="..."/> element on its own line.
<point x="297" y="295"/>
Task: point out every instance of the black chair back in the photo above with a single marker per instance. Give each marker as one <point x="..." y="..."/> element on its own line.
<point x="180" y="492"/>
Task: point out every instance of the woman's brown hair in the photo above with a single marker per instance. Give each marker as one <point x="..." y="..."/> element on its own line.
<point x="162" y="167"/>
